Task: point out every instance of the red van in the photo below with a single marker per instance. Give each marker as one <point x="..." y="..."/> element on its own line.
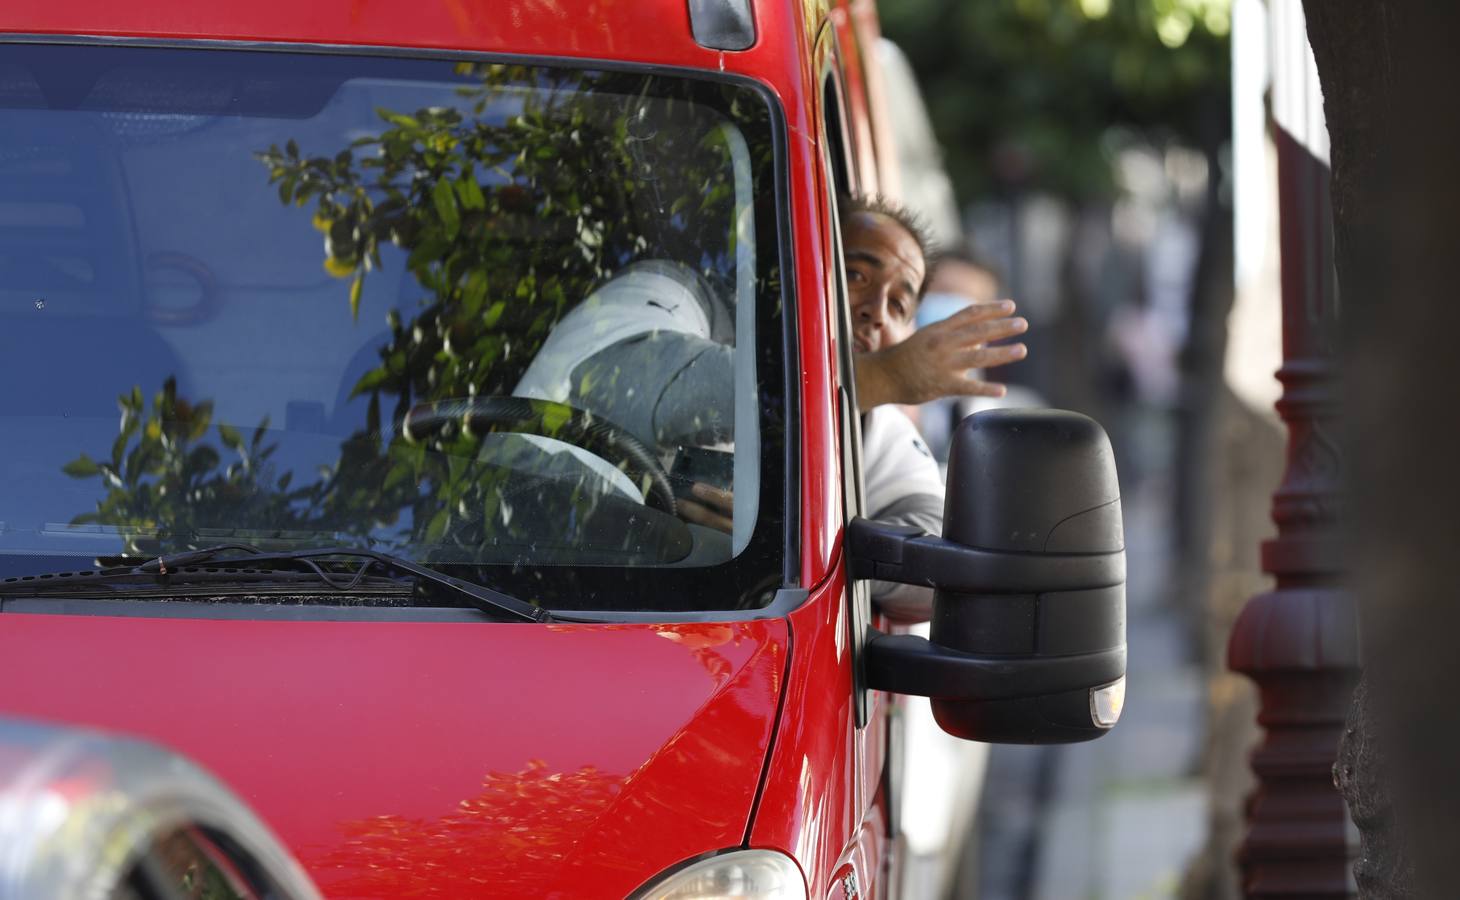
<point x="305" y="472"/>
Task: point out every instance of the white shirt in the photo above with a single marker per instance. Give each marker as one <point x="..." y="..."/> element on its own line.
<point x="896" y="464"/>
<point x="639" y="300"/>
<point x="904" y="487"/>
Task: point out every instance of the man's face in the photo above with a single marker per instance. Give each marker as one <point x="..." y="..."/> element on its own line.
<point x="885" y="271"/>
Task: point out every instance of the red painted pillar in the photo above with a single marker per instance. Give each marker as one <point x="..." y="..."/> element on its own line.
<point x="1299" y="642"/>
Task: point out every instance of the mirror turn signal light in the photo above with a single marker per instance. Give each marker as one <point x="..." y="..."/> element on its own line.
<point x="1106" y="702"/>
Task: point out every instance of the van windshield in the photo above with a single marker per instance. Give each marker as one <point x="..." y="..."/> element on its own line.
<point x="516" y="320"/>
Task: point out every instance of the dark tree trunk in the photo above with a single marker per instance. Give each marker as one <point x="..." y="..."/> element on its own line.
<point x="1389" y="73"/>
<point x="1205" y="349"/>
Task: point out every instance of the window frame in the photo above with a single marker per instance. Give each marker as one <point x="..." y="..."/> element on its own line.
<point x="832" y="122"/>
<point x="787" y="594"/>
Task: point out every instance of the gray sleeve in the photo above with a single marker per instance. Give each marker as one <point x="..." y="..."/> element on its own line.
<point x="924" y="511"/>
<point x="907" y="602"/>
<point x="665" y="387"/>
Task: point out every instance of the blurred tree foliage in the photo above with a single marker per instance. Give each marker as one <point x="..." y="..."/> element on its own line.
<point x="1024" y="93"/>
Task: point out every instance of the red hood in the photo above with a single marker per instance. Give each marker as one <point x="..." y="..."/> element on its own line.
<point x="438" y="759"/>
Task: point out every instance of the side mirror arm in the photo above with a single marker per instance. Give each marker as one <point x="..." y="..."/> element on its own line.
<point x="906" y="555"/>
<point x="909" y="664"/>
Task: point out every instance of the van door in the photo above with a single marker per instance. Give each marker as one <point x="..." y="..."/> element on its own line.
<point x="864" y="861"/>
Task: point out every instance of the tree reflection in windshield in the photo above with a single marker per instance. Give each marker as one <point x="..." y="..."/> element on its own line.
<point x="511" y="206"/>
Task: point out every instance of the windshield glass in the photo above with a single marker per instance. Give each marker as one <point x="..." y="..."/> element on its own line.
<point x="515" y="321"/>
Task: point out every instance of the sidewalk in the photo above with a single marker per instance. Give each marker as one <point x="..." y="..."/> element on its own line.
<point x="1117" y="818"/>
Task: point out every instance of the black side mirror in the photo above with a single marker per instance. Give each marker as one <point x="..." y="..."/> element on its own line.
<point x="1028" y="632"/>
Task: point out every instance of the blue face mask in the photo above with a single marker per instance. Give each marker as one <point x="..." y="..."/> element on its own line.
<point x="936" y="307"/>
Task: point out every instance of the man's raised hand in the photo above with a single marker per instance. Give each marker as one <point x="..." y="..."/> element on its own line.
<point x="935" y="360"/>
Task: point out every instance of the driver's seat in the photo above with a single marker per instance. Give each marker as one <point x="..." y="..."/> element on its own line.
<point x="59" y="366"/>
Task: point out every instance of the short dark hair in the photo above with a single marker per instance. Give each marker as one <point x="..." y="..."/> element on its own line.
<point x="909" y="220"/>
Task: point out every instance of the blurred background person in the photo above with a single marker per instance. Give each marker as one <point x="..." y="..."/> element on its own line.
<point x="961" y="278"/>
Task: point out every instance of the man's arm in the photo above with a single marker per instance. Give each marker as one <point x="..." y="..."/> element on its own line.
<point x="666" y="387"/>
<point x="712" y="507"/>
<point x="904" y="487"/>
<point x="935" y="361"/>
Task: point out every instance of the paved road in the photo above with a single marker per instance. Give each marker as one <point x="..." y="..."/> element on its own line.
<point x="1116" y="819"/>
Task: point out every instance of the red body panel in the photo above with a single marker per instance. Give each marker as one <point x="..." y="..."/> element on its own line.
<point x="821" y="801"/>
<point x="512" y="760"/>
<point x="807" y="806"/>
<point x="599" y="29"/>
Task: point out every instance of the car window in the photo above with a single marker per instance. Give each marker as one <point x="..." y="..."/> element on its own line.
<point x="478" y="313"/>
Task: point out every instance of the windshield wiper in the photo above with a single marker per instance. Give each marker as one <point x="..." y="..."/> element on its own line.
<point x="163" y="569"/>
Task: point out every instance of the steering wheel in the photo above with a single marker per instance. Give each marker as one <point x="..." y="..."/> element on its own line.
<point x="559" y="421"/>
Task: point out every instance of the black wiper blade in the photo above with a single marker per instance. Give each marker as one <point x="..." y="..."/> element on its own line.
<point x="194" y="581"/>
<point x="263" y="567"/>
<point x="482" y="597"/>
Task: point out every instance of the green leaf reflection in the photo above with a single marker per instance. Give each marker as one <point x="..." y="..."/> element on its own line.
<point x="508" y="215"/>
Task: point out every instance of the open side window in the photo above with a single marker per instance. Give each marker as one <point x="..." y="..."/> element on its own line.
<point x="840" y="165"/>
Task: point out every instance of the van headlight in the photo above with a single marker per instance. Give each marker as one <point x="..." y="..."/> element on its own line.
<point x="741" y="874"/>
